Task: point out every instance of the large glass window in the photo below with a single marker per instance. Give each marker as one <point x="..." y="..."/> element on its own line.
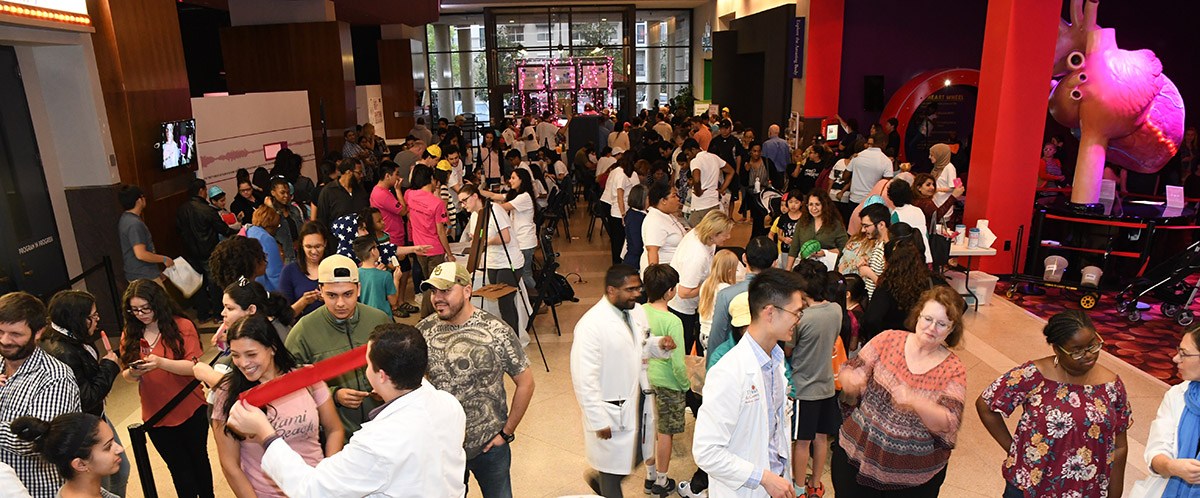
<point x="458" y="67"/>
<point x="663" y="54"/>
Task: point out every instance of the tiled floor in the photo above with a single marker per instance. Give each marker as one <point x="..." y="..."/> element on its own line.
<point x="548" y="459"/>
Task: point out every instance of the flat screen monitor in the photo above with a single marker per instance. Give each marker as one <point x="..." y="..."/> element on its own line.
<point x="178" y="144"/>
<point x="831" y="132"/>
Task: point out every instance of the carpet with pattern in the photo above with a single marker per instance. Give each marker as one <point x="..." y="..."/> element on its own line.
<point x="1148" y="344"/>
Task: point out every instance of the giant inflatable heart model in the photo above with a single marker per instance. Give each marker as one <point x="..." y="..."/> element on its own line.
<point x="1128" y="112"/>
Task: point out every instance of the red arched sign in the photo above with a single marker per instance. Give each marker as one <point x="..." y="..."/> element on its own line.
<point x="906" y="100"/>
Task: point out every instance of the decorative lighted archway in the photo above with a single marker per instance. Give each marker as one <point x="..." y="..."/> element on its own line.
<point x="906" y="100"/>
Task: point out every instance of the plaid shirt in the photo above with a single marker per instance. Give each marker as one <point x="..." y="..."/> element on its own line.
<point x="45" y="388"/>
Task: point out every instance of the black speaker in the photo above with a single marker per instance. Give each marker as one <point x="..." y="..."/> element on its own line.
<point x="873" y="93"/>
<point x="584" y="128"/>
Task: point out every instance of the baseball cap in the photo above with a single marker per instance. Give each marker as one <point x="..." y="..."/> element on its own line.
<point x="434" y="150"/>
<point x="739" y="310"/>
<point x="214" y="192"/>
<point x="445" y="275"/>
<point x="337" y="268"/>
<point x="444" y="165"/>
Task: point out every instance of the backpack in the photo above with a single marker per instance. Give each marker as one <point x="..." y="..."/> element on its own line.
<point x="557" y="289"/>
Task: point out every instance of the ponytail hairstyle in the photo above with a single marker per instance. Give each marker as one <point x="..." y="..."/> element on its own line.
<point x="62" y="440"/>
<point x="256" y="328"/>
<point x="165" y="312"/>
<point x="273" y="305"/>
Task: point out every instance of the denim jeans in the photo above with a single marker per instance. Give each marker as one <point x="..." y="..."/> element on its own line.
<point x="491" y="471"/>
<point x="116" y="483"/>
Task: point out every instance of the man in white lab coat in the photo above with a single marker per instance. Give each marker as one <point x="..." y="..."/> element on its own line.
<point x="411" y="447"/>
<point x="741" y="437"/>
<point x="607" y="370"/>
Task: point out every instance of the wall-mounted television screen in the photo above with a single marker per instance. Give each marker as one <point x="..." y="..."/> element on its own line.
<point x="178" y="145"/>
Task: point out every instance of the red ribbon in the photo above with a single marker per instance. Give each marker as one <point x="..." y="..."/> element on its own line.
<point x="306" y="376"/>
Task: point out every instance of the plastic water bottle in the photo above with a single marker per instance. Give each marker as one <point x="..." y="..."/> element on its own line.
<point x="757" y="185"/>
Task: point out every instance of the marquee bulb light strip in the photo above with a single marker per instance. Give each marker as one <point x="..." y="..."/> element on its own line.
<point x="43" y="14"/>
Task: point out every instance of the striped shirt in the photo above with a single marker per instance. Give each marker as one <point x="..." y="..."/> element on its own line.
<point x="42" y="387"/>
<point x="891" y="447"/>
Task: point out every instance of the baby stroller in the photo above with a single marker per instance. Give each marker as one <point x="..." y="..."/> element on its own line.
<point x="1167" y="283"/>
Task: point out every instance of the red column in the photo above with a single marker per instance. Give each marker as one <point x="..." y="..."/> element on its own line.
<point x="1014" y="86"/>
<point x="823" y="71"/>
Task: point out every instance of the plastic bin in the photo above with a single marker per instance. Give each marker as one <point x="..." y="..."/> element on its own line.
<point x="958" y="281"/>
<point x="1091" y="276"/>
<point x="1055" y="266"/>
<point x="983" y="285"/>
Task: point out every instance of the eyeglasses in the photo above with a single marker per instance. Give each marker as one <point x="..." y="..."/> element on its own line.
<point x="1090" y="350"/>
<point x="1185" y="354"/>
<point x="940" y="324"/>
<point x="140" y="311"/>
<point x="796" y="314"/>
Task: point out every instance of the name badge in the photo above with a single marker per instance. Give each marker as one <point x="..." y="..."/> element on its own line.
<point x="752" y="395"/>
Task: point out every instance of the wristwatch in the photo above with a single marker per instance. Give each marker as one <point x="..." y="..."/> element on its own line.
<point x="508" y="438"/>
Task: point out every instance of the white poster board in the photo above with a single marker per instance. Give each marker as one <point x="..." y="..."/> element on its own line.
<point x="231" y="132"/>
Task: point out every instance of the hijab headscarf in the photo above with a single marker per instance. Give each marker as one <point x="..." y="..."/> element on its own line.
<point x="941" y="156"/>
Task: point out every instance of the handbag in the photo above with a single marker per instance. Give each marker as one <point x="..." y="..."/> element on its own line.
<point x="939" y="245"/>
<point x="183" y="276"/>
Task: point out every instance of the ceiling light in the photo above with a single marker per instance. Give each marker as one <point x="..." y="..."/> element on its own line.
<point x="603" y="19"/>
<point x="947" y="81"/>
<point x="510" y="21"/>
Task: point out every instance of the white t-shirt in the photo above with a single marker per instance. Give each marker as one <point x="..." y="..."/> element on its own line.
<point x="496" y="257"/>
<point x="618" y="180"/>
<point x="603" y="165"/>
<point x="545" y="133"/>
<point x="538" y="189"/>
<point x="709" y="166"/>
<point x="866" y="169"/>
<point x="560" y="168"/>
<point x="693" y="260"/>
<point x="836" y="183"/>
<point x="522" y="215"/>
<point x="945" y="180"/>
<point x="663" y="231"/>
<point x="915" y="218"/>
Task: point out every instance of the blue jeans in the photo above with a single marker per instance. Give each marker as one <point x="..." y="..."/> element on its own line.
<point x="116" y="483"/>
<point x="491" y="471"/>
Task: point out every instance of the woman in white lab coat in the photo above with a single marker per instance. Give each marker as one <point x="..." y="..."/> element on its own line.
<point x="608" y="371"/>
<point x="1176" y="429"/>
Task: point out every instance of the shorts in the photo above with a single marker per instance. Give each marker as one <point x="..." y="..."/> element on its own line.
<point x="406" y="263"/>
<point x="810" y="418"/>
<point x="668" y="410"/>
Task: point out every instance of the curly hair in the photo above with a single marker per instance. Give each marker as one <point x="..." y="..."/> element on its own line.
<point x="165" y="310"/>
<point x="235" y="257"/>
<point x="906" y="275"/>
<point x="830" y="217"/>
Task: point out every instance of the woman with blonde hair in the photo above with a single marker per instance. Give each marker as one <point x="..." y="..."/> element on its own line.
<point x="722" y="274"/>
<point x="693" y="260"/>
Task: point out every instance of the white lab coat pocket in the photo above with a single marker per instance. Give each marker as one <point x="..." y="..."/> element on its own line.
<point x="622" y="416"/>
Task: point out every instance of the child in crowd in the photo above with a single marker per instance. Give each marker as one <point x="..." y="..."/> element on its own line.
<point x="784" y="226"/>
<point x="81" y="446"/>
<point x="377" y="287"/>
<point x="668" y="377"/>
<point x="816" y="414"/>
<point x="856" y="305"/>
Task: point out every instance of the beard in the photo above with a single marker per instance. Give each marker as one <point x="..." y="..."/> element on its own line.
<point x="18" y="353"/>
<point x="449" y="311"/>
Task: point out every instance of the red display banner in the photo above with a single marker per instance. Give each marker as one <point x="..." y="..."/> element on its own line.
<point x="306" y="376"/>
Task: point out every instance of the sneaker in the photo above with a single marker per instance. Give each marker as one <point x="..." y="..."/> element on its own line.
<point x="818" y="492"/>
<point x="649" y="486"/>
<point x="665" y="489"/>
<point x="685" y="491"/>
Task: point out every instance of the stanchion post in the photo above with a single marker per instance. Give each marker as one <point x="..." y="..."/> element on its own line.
<point x="141" y="457"/>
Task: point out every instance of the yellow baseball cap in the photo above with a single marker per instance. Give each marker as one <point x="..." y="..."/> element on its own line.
<point x="739" y="310"/>
<point x="444" y="165"/>
<point x="434" y="150"/>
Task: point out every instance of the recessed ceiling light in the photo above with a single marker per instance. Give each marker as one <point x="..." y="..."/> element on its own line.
<point x="510" y="21"/>
<point x="603" y="19"/>
<point x="947" y="82"/>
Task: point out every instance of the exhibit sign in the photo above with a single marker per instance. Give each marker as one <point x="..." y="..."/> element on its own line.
<point x="796" y="48"/>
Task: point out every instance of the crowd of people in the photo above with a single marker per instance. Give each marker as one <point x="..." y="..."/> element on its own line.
<point x="827" y="337"/>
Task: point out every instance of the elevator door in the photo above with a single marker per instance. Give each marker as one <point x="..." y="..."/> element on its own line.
<point x="31" y="257"/>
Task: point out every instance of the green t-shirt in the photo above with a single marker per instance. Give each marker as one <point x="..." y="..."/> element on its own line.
<point x="669" y="373"/>
<point x="375" y="286"/>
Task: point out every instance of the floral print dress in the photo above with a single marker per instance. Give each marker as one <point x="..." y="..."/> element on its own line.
<point x="1065" y="440"/>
